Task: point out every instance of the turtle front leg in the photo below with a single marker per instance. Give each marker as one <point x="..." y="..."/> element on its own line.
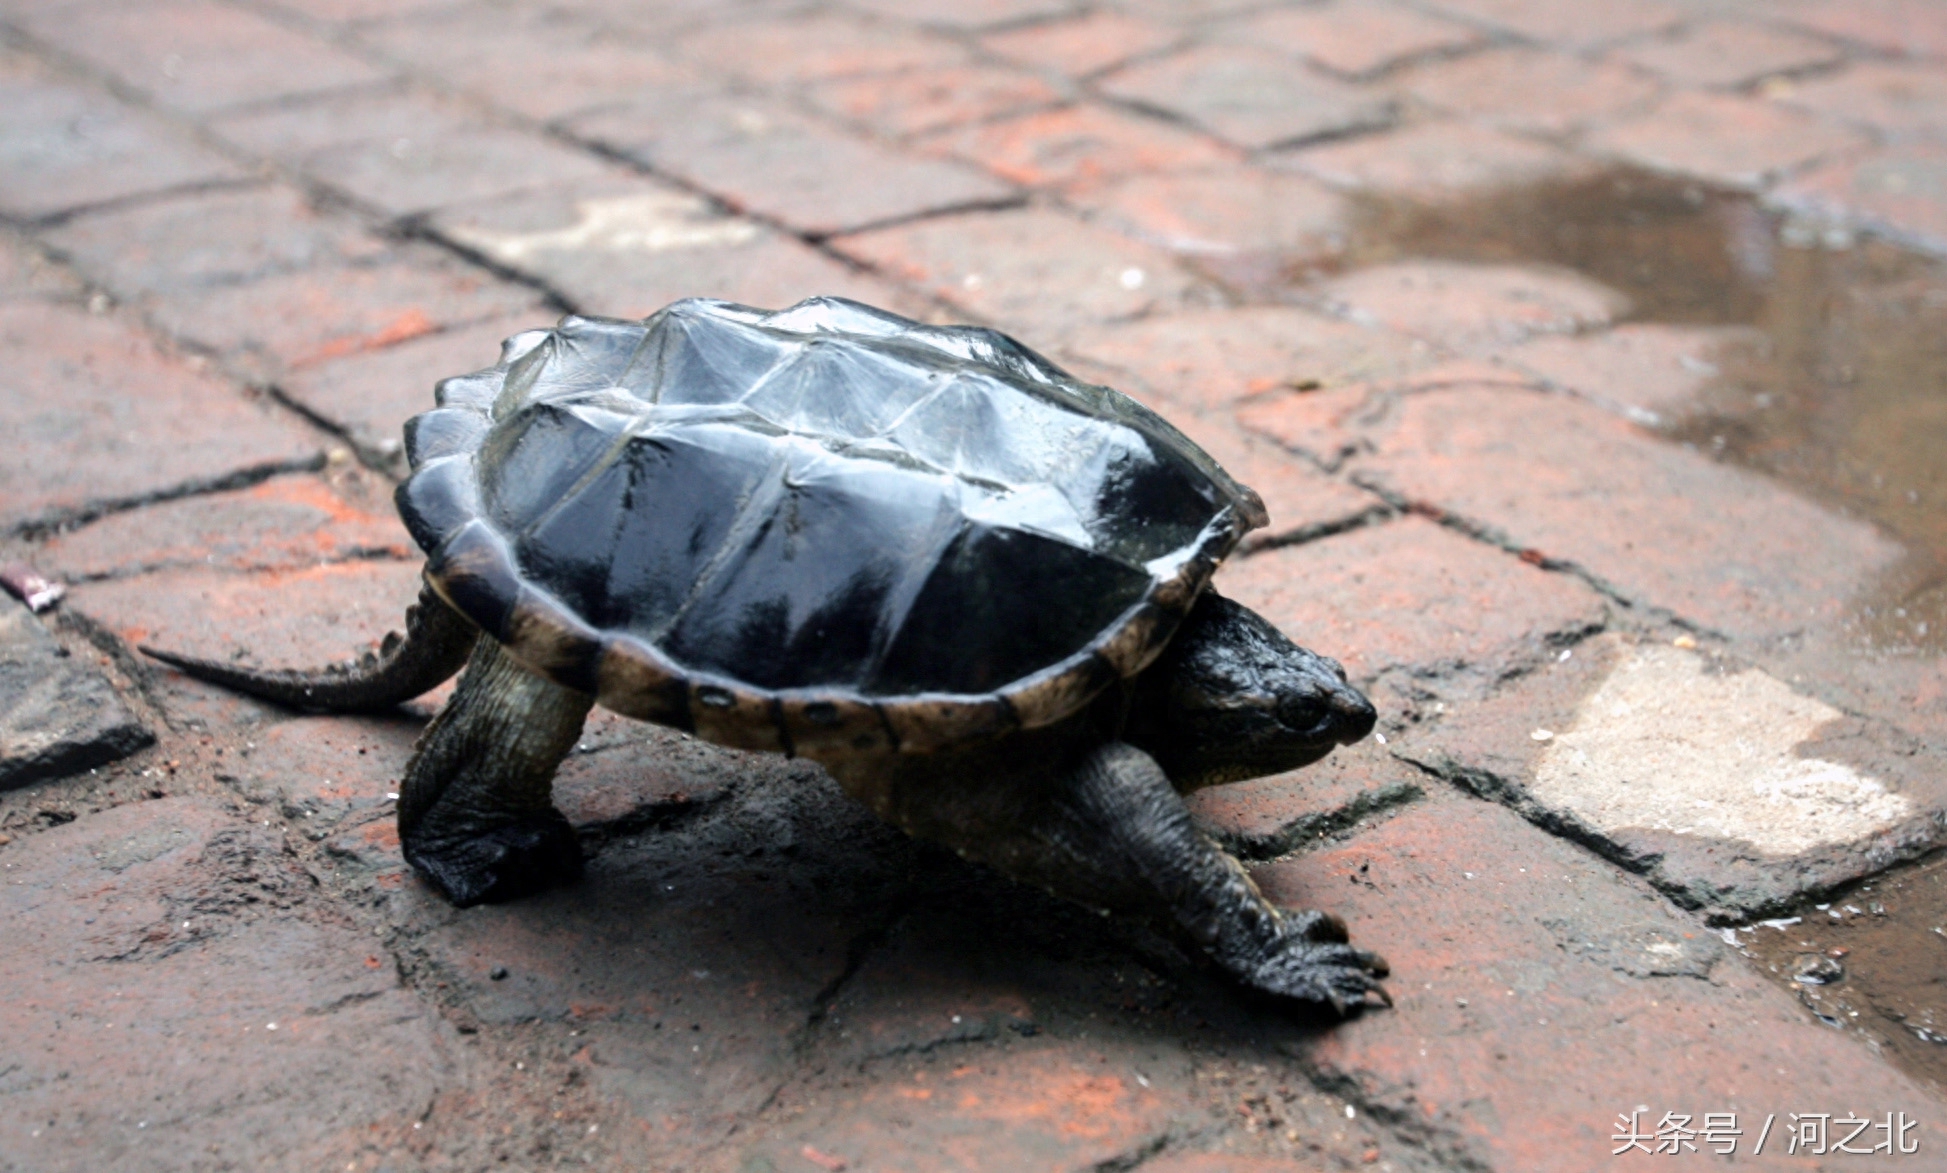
<point x="475" y="813"/>
<point x="1122" y="826"/>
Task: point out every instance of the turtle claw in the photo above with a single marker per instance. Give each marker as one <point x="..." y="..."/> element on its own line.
<point x="1328" y="972"/>
<point x="506" y="863"/>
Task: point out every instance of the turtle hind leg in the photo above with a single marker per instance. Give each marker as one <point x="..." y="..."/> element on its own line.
<point x="475" y="814"/>
<point x="434" y="647"/>
<point x="1119" y="827"/>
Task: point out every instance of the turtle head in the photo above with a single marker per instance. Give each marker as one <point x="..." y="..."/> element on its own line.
<point x="1232" y="698"/>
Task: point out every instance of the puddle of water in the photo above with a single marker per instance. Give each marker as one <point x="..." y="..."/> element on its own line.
<point x="1889" y="941"/>
<point x="1843" y="395"/>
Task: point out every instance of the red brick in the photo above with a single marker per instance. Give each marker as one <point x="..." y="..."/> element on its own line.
<point x="107" y="417"/>
<point x="1414" y="596"/>
<point x="1086" y="45"/>
<point x="1730" y="141"/>
<point x="1471" y="308"/>
<point x="1035" y="271"/>
<point x="1249" y="97"/>
<point x="319" y="771"/>
<point x="286" y="523"/>
<point x="546" y="65"/>
<point x="1080" y="144"/>
<point x="1225" y="212"/>
<point x="294" y="320"/>
<point x="370" y="396"/>
<point x="926" y="100"/>
<point x="966" y="14"/>
<point x="352" y="11"/>
<point x="1213" y="360"/>
<point x="1300" y="499"/>
<point x="628" y="247"/>
<point x="1529" y="89"/>
<point x="198" y="55"/>
<point x="1263" y="818"/>
<point x="208" y="238"/>
<point x="1665" y="526"/>
<point x="1900" y="191"/>
<point x="410" y="176"/>
<point x="624" y="771"/>
<point x="1896" y="101"/>
<point x="1505" y="941"/>
<point x="1728" y="54"/>
<point x="1434" y="162"/>
<point x="815" y="47"/>
<point x="766" y="159"/>
<point x="1576" y="26"/>
<point x="280" y="619"/>
<point x="1907" y="28"/>
<point x="130" y="1033"/>
<point x="291" y="132"/>
<point x="63" y="148"/>
<point x="1354" y="38"/>
<point x="1642" y="370"/>
<point x="1190" y="13"/>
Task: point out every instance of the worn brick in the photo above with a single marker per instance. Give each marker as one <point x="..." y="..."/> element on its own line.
<point x="285" y="523"/>
<point x="1080" y="144"/>
<point x="109" y="418"/>
<point x="319" y="771"/>
<point x="280" y="619"/>
<point x="26" y="272"/>
<point x="1644" y="370"/>
<point x="1416" y="597"/>
<point x="1503" y="942"/>
<point x="545" y="64"/>
<point x="1763" y="797"/>
<point x="291" y="132"/>
<point x="151" y="970"/>
<point x="1577" y="26"/>
<point x="58" y="714"/>
<point x="1300" y="500"/>
<point x="766" y="159"/>
<point x="1727" y="54"/>
<point x="198" y="55"/>
<point x="371" y="395"/>
<point x="1907" y="28"/>
<point x="1469" y="307"/>
<point x="1731" y="141"/>
<point x="1529" y="89"/>
<point x="1034" y="271"/>
<point x="814" y="47"/>
<point x="1249" y="97"/>
<point x="1264" y="818"/>
<point x="353" y="11"/>
<point x="927" y="100"/>
<point x="416" y="174"/>
<point x="1089" y="44"/>
<point x="628" y="247"/>
<point x="1223" y="213"/>
<point x="1212" y="360"/>
<point x="967" y="14"/>
<point x="1900" y="191"/>
<point x="293" y="320"/>
<point x="62" y="147"/>
<point x="207" y="238"/>
<point x="1354" y="38"/>
<point x="1433" y="162"/>
<point x="1663" y="525"/>
<point x="1896" y="101"/>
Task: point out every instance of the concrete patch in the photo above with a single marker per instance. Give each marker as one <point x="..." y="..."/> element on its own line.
<point x="1666" y="745"/>
<point x="647" y="222"/>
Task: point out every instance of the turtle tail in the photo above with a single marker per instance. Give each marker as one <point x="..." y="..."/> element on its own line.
<point x="436" y="645"/>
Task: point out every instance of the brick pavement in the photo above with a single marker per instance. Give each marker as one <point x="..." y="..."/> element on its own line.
<point x="243" y="237"/>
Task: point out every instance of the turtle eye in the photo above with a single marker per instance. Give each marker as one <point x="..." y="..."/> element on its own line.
<point x="1305" y="713"/>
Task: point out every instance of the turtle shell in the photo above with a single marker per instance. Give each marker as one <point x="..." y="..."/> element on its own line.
<point x="821" y="530"/>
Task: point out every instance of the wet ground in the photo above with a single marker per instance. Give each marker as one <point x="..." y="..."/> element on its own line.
<point x="1838" y="389"/>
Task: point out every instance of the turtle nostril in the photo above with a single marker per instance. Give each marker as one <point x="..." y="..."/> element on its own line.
<point x="1355" y="713"/>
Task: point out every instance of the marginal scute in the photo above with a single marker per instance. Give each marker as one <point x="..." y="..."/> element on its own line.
<point x="826" y="530"/>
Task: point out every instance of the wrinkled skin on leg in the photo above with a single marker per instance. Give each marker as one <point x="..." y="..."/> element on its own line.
<point x="1092" y="809"/>
<point x="475" y="813"/>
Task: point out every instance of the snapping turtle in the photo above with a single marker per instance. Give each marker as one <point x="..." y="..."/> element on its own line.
<point x="972" y="588"/>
